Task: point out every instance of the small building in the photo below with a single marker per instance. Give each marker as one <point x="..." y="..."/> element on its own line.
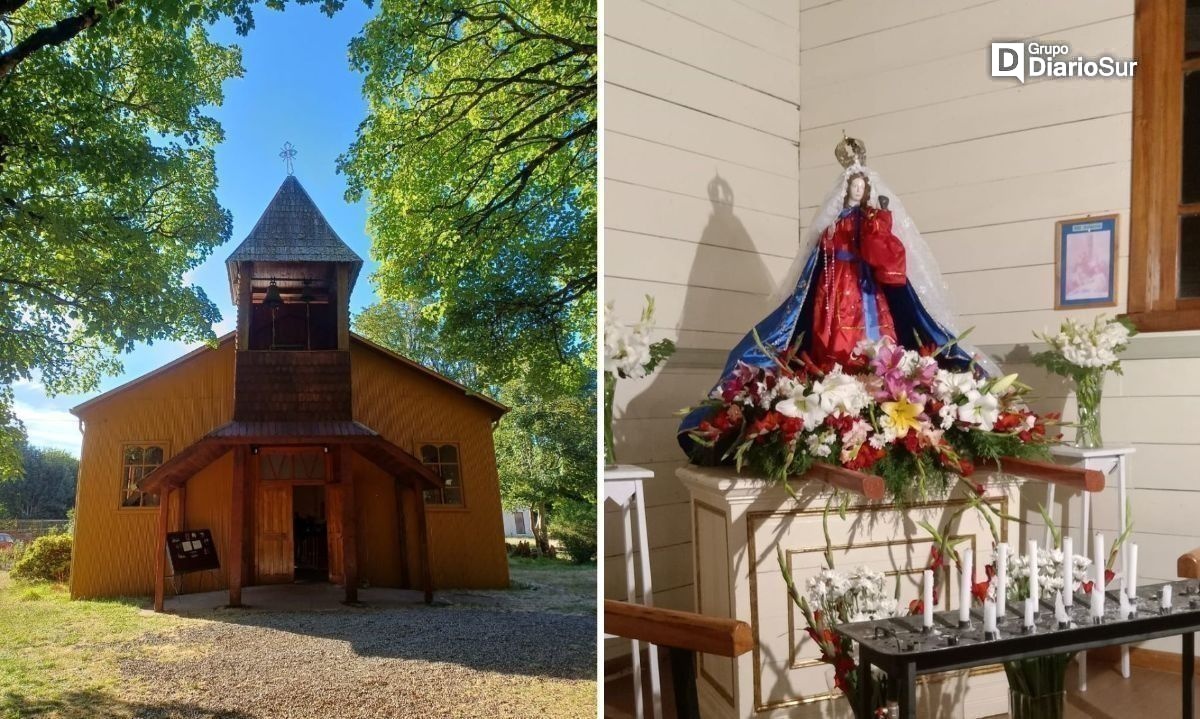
<point x="518" y="523"/>
<point x="308" y="452"/>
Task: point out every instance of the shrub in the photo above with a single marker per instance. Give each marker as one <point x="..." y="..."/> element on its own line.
<point x="11" y="555"/>
<point x="47" y="559"/>
<point x="521" y="549"/>
<point x="575" y="528"/>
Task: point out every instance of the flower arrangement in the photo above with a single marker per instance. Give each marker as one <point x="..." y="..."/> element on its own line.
<point x="629" y="354"/>
<point x="834" y="598"/>
<point x="1084" y="353"/>
<point x="890" y="411"/>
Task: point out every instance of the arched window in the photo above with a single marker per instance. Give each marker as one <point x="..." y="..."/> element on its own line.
<point x="444" y="460"/>
<point x="138" y="460"/>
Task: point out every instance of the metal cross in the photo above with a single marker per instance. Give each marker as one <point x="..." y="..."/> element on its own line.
<point x="288" y="154"/>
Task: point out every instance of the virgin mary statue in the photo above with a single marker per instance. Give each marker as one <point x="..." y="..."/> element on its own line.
<point x="863" y="273"/>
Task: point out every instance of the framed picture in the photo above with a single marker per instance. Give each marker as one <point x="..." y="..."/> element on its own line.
<point x="1085" y="263"/>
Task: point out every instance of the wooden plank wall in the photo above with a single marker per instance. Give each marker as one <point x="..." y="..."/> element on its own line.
<point x="701" y="211"/>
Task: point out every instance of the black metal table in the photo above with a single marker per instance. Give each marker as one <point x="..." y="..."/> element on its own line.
<point x="900" y="648"/>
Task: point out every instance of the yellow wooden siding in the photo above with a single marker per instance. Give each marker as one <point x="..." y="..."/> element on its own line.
<point x="406" y="407"/>
<point x="114" y="547"/>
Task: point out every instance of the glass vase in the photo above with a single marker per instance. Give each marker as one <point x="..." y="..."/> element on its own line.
<point x="1088" y="389"/>
<point x="1043" y="706"/>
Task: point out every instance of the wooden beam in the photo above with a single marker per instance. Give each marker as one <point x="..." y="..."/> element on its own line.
<point x="160" y="551"/>
<point x="680" y="630"/>
<point x="1188" y="565"/>
<point x="867" y="485"/>
<point x="345" y="473"/>
<point x="237" y="526"/>
<point x="423" y="542"/>
<point x="401" y="532"/>
<point x="1088" y="480"/>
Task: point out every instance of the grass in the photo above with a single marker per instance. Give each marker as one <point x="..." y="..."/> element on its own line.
<point x="59" y="658"/>
<point x="560" y="585"/>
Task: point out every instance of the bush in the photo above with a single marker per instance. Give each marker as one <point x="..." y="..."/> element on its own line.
<point x="520" y="549"/>
<point x="10" y="556"/>
<point x="575" y="528"/>
<point x="47" y="559"/>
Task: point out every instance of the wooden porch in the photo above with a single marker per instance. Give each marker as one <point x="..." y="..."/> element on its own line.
<point x="260" y="543"/>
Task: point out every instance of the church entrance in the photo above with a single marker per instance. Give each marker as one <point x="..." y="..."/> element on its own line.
<point x="311" y="536"/>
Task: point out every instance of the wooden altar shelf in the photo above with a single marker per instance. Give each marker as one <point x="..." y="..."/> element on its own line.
<point x="871" y="487"/>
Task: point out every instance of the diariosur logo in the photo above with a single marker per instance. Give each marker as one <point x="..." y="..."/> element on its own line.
<point x="1022" y="60"/>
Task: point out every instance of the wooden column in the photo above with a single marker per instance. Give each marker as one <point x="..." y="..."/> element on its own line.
<point x="245" y="270"/>
<point x="401" y="532"/>
<point x="349" y="524"/>
<point x="423" y="541"/>
<point x="160" y="548"/>
<point x="237" y="526"/>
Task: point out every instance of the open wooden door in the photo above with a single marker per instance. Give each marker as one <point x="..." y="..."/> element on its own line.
<point x="273" y="553"/>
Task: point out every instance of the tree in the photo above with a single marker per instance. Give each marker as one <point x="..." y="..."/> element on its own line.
<point x="107" y="184"/>
<point x="44" y="488"/>
<point x="478" y="155"/>
<point x="399" y="326"/>
<point x="546" y="455"/>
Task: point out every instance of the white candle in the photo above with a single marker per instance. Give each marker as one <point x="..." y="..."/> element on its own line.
<point x="1029" y="611"/>
<point x="1068" y="547"/>
<point x="1097" y="602"/>
<point x="927" y="600"/>
<point x="1033" y="573"/>
<point x="1001" y="579"/>
<point x="1098" y="561"/>
<point x="964" y="587"/>
<point x="1123" y="606"/>
<point x="1166" y="596"/>
<point x="989" y="616"/>
<point x="1060" y="610"/>
<point x="1132" y="586"/>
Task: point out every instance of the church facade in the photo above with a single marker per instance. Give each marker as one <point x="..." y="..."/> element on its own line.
<point x="308" y="453"/>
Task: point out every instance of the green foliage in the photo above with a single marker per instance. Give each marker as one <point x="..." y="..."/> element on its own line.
<point x="44" y="488"/>
<point x="48" y="559"/>
<point x="400" y="326"/>
<point x="575" y="528"/>
<point x="478" y="156"/>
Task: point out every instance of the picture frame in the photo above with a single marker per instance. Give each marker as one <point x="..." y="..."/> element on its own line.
<point x="1085" y="262"/>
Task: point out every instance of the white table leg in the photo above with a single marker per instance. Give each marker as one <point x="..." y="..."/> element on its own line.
<point x="648" y="598"/>
<point x="1125" y="670"/>
<point x="631" y="593"/>
<point x="1087" y="552"/>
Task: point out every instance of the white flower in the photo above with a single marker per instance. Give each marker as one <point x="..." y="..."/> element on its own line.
<point x="627" y="349"/>
<point x="948" y="413"/>
<point x="842" y="393"/>
<point x="805" y="406"/>
<point x="980" y="409"/>
<point x="949" y="386"/>
<point x="819" y="443"/>
<point x="878" y="441"/>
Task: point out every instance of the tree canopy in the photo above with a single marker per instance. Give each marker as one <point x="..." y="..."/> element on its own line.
<point x="43" y="489"/>
<point x="478" y="156"/>
<point x="107" y="183"/>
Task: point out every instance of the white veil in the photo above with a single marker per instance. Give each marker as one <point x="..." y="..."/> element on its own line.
<point x="921" y="267"/>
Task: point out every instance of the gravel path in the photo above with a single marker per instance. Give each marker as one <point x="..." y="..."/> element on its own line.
<point x="460" y="661"/>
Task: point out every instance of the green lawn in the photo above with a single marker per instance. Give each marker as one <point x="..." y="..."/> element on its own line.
<point x="555" y="585"/>
<point x="59" y="658"/>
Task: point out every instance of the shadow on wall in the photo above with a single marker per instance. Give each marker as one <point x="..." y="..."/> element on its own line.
<point x="726" y="263"/>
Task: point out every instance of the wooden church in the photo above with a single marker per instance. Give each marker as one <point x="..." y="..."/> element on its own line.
<point x="306" y="452"/>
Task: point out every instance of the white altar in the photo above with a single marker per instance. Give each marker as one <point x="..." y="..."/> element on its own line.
<point x="739" y="522"/>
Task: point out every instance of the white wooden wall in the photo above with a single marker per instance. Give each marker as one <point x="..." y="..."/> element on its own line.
<point x="699" y="90"/>
<point x="701" y="211"/>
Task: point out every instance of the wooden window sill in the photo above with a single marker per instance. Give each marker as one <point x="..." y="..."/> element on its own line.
<point x="1165" y="320"/>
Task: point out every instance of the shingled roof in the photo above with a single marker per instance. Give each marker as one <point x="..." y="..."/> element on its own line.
<point x="292" y="229"/>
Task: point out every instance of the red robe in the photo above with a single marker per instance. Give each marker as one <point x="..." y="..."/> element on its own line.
<point x="849" y="283"/>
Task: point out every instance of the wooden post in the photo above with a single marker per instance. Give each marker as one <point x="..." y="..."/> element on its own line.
<point x="349" y="525"/>
<point x="237" y="526"/>
<point x="160" y="548"/>
<point x="423" y="541"/>
<point x="245" y="270"/>
<point x="401" y="532"/>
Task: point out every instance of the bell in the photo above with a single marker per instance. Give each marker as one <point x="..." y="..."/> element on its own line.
<point x="307" y="295"/>
<point x="273" y="298"/>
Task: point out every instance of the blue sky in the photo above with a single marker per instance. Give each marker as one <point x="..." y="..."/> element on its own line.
<point x="298" y="88"/>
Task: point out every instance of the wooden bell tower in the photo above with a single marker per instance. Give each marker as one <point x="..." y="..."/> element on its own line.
<point x="291" y="280"/>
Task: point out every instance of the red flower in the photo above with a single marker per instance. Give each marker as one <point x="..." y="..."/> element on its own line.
<point x="789" y="427"/>
<point x="966" y="467"/>
<point x="866" y="457"/>
<point x="916" y="606"/>
<point x="1108" y="577"/>
<point x="936" y="560"/>
<point x="911" y="442"/>
<point x="979" y="590"/>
